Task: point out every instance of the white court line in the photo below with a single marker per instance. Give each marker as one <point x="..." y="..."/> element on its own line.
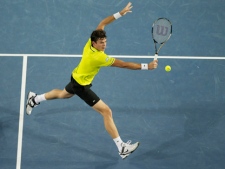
<point x="21" y="117"/>
<point x="121" y="56"/>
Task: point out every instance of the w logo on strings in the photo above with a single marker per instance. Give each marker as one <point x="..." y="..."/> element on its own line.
<point x="162" y="30"/>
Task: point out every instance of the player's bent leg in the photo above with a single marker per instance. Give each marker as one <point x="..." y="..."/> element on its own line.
<point x="53" y="94"/>
<point x="58" y="94"/>
<point x="125" y="149"/>
<point x="106" y="112"/>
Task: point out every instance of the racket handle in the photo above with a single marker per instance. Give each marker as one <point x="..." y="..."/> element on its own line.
<point x="156" y="57"/>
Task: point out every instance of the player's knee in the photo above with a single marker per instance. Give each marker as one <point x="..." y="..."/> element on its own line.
<point x="107" y="112"/>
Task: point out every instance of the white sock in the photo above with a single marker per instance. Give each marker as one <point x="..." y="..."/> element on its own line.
<point x="39" y="98"/>
<point x="118" y="143"/>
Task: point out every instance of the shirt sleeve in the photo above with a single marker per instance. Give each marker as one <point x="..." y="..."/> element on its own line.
<point x="107" y="60"/>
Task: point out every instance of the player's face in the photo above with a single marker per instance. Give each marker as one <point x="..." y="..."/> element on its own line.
<point x="100" y="44"/>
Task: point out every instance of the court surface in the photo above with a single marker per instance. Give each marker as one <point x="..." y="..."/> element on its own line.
<point x="178" y="117"/>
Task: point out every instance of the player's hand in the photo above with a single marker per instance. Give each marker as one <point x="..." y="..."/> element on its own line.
<point x="126" y="9"/>
<point x="153" y="65"/>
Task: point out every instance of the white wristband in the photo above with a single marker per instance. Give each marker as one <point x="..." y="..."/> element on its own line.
<point x="144" y="66"/>
<point x="117" y="15"/>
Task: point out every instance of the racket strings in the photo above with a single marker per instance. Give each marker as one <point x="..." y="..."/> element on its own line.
<point x="161" y="30"/>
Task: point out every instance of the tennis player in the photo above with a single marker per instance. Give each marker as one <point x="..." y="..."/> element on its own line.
<point x="93" y="58"/>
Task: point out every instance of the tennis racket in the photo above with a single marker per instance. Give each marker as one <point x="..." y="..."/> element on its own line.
<point x="161" y="32"/>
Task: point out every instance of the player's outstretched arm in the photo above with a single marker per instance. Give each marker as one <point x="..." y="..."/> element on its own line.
<point x="117" y="15"/>
<point x="135" y="66"/>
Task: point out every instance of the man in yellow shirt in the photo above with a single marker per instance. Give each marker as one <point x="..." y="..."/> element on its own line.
<point x="92" y="60"/>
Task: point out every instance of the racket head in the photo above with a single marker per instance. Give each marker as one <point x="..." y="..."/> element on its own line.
<point x="161" y="30"/>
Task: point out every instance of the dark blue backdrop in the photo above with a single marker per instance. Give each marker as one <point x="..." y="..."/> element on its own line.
<point x="56" y="26"/>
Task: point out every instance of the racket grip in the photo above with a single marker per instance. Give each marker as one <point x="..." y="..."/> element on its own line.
<point x="156" y="57"/>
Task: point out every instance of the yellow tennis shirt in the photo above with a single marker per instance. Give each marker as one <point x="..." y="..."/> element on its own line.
<point x="91" y="62"/>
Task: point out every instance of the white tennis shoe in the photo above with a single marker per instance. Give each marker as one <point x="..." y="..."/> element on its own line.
<point x="30" y="102"/>
<point x="128" y="148"/>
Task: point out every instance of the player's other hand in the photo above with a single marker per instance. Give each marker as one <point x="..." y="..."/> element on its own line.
<point x="126" y="9"/>
<point x="153" y="65"/>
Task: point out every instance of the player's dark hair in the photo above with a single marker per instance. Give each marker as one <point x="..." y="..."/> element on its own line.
<point x="98" y="34"/>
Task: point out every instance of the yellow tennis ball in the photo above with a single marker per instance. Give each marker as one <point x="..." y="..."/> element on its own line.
<point x="167" y="68"/>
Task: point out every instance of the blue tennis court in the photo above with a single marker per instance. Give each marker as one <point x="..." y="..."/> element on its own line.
<point x="178" y="117"/>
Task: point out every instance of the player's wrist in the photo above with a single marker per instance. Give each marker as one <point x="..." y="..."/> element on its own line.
<point x="117" y="15"/>
<point x="144" y="66"/>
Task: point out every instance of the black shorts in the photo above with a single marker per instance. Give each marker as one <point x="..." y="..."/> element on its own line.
<point x="84" y="92"/>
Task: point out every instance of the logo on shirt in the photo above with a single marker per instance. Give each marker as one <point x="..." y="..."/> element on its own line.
<point x="107" y="59"/>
